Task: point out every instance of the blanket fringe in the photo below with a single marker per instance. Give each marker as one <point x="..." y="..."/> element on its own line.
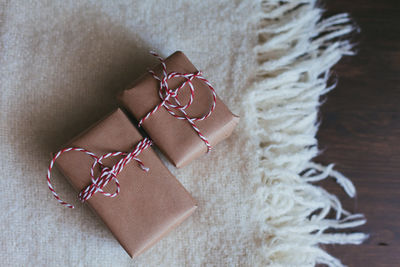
<point x="296" y="51"/>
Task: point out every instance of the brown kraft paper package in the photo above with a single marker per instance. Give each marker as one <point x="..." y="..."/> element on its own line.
<point x="149" y="205"/>
<point x="176" y="138"/>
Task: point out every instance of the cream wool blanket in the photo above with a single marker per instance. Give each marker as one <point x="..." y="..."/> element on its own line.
<point x="62" y="62"/>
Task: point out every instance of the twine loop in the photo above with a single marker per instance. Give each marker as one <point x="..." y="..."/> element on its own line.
<point x="106" y="175"/>
<point x="170" y="101"/>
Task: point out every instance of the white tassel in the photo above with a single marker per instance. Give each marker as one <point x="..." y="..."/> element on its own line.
<point x="296" y="56"/>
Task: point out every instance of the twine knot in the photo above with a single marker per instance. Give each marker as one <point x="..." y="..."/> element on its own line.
<point x="106" y="175"/>
<point x="170" y="101"/>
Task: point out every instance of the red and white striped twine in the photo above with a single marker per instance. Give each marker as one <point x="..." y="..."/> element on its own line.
<point x="106" y="174"/>
<point x="169" y="97"/>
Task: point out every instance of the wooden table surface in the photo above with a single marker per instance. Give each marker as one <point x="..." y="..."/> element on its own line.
<point x="360" y="130"/>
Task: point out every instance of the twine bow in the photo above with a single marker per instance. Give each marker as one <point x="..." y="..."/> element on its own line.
<point x="170" y="101"/>
<point x="106" y="173"/>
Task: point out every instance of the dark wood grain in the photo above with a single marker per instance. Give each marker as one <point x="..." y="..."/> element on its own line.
<point x="360" y="130"/>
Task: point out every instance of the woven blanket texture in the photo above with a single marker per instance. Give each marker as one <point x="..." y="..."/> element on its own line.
<point x="61" y="65"/>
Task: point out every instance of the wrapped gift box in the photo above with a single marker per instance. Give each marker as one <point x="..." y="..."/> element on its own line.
<point x="149" y="204"/>
<point x="176" y="138"/>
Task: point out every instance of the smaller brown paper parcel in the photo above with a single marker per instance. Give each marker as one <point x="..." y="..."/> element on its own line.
<point x="176" y="139"/>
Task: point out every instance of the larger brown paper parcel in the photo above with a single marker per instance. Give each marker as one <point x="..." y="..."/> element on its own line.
<point x="149" y="204"/>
